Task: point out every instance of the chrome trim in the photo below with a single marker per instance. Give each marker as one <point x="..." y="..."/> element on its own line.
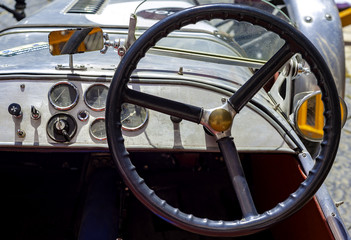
<point x="81" y="118"/>
<point x="85" y="97"/>
<point x="92" y="134"/>
<point x="129" y="129"/>
<point x="297" y="108"/>
<point x="205" y="120"/>
<point x="75" y="101"/>
<point x="302" y="101"/>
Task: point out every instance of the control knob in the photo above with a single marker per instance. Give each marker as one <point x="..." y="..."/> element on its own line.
<point x="15" y="110"/>
<point x="61" y="127"/>
<point x="34" y="113"/>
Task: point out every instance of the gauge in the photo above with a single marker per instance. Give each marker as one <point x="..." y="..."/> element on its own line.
<point x="95" y="97"/>
<point x="63" y="95"/>
<point x="133" y="117"/>
<point x="98" y="130"/>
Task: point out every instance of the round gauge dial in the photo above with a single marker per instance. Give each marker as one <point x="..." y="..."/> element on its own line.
<point x="63" y="95"/>
<point x="95" y="97"/>
<point x="133" y="117"/>
<point x="98" y="130"/>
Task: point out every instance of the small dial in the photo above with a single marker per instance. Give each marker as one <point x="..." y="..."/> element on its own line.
<point x="63" y="95"/>
<point x="95" y="97"/>
<point x="61" y="127"/>
<point x="98" y="130"/>
<point x="133" y="117"/>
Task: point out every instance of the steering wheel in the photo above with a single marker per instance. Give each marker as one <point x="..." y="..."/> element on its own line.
<point x="252" y="221"/>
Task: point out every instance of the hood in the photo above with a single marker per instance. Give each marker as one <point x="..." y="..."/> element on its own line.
<point x="105" y="13"/>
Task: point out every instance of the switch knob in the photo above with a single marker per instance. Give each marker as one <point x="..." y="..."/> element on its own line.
<point x="34" y="113"/>
<point x="15" y="110"/>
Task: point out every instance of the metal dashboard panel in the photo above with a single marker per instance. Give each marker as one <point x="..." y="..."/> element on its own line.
<point x="250" y="130"/>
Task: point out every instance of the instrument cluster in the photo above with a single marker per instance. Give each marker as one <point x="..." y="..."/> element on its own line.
<point x="64" y="96"/>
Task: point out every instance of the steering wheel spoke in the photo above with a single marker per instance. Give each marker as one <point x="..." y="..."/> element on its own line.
<point x="173" y="108"/>
<point x="237" y="176"/>
<point x="260" y="78"/>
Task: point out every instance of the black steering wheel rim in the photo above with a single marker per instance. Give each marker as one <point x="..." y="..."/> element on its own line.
<point x="297" y="43"/>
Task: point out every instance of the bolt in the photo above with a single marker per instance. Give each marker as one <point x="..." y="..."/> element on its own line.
<point x="175" y="119"/>
<point x="22" y="86"/>
<point x="308" y="19"/>
<point x="21" y="133"/>
<point x="180" y="71"/>
<point x="338" y="204"/>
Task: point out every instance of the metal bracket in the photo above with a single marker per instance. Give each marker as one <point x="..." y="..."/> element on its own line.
<point x="122" y="45"/>
<point x="71" y="66"/>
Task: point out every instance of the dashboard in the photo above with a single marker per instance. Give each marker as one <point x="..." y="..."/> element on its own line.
<point x="60" y="113"/>
<point x="69" y="113"/>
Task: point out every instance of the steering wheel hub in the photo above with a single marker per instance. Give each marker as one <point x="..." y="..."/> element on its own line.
<point x="220" y="120"/>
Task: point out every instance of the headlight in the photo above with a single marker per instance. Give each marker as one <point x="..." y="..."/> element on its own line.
<point x="309" y="119"/>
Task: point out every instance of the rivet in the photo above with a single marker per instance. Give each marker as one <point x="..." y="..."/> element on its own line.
<point x="328" y="17"/>
<point x="308" y="19"/>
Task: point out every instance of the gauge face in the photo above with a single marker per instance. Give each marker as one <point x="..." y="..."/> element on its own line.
<point x="133" y="117"/>
<point x="95" y="97"/>
<point x="98" y="130"/>
<point x="63" y="95"/>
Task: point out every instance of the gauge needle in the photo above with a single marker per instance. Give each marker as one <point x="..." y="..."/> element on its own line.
<point x="60" y="94"/>
<point x="128" y="116"/>
<point x="99" y="97"/>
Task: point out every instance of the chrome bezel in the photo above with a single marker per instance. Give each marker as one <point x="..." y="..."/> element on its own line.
<point x="305" y="98"/>
<point x="130" y="129"/>
<point x="85" y="97"/>
<point x="72" y="105"/>
<point x="91" y="133"/>
<point x="83" y="119"/>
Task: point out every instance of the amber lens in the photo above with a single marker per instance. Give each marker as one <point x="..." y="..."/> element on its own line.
<point x="310" y="119"/>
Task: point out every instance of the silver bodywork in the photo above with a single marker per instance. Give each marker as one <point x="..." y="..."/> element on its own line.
<point x="320" y="22"/>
